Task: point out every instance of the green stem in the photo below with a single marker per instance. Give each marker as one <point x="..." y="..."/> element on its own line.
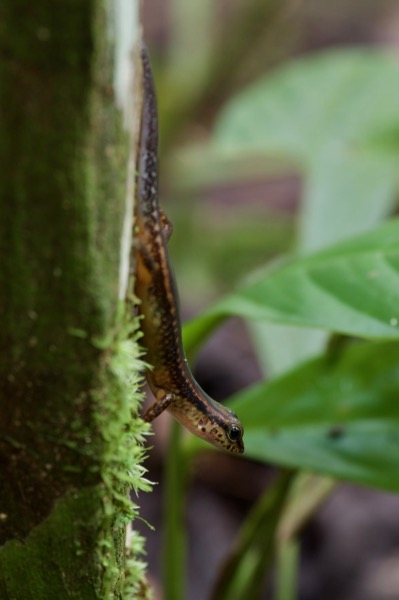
<point x="175" y="543"/>
<point x="245" y="570"/>
<point x="287" y="569"/>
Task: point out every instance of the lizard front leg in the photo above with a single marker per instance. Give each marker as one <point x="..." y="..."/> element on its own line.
<point x="158" y="407"/>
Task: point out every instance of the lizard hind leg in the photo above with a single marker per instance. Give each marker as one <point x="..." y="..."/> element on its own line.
<point x="157" y="407"/>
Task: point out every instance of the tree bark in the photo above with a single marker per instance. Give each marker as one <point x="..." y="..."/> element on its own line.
<point x="67" y="443"/>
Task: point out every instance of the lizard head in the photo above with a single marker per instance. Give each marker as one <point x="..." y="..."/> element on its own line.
<point x="217" y="425"/>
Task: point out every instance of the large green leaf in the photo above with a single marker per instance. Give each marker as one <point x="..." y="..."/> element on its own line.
<point x="342" y="197"/>
<point x="339" y="417"/>
<point x="335" y="114"/>
<point x="341" y="99"/>
<point x="351" y="288"/>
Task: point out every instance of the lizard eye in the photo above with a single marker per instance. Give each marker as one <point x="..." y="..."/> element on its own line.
<point x="234" y="433"/>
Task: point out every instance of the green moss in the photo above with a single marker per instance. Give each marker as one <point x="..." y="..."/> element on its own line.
<point x="123" y="434"/>
<point x="48" y="563"/>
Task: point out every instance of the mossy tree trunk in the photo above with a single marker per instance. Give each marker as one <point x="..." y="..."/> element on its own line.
<point x="65" y="438"/>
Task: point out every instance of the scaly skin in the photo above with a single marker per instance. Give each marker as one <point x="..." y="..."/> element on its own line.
<point x="170" y="378"/>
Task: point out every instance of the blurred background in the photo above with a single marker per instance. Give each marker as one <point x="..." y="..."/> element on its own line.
<point x="232" y="214"/>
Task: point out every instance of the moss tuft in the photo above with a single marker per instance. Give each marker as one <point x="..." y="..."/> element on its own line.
<point x="124" y="433"/>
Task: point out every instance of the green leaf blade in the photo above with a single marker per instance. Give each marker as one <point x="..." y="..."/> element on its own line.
<point x="339" y="419"/>
<point x="323" y="101"/>
<point x="351" y="288"/>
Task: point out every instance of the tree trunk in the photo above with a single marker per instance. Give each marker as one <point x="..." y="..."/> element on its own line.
<point x="68" y="447"/>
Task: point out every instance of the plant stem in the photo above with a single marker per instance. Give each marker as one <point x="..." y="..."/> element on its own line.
<point x="287" y="569"/>
<point x="174" y="547"/>
<point x="244" y="572"/>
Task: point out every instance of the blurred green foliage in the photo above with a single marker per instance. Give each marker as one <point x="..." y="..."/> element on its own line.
<point x="332" y="118"/>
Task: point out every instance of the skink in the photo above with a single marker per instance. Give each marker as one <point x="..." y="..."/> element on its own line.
<point x="170" y="378"/>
